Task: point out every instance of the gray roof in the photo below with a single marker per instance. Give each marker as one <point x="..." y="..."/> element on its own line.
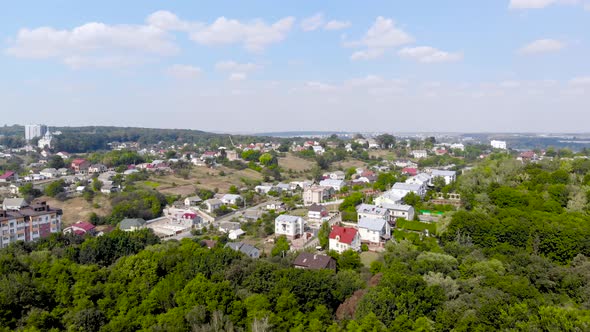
<point x="194" y="198"/>
<point x="372" y="209"/>
<point x="437" y="172"/>
<point x="371" y="224"/>
<point x="406" y="186"/>
<point x="245" y="248"/>
<point x="214" y="201"/>
<point x="316" y="208"/>
<point x="128" y="223"/>
<point x="397" y="207"/>
<point x="14" y="202"/>
<point x="287" y="218"/>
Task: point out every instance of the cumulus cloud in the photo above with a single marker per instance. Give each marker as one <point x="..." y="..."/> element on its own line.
<point x="236" y="67"/>
<point x="237" y="76"/>
<point x="337" y="25"/>
<point x="183" y="71"/>
<point x="255" y="35"/>
<point x="427" y="54"/>
<point x="382" y="35"/>
<point x="542" y="46"/>
<point x="539" y="4"/>
<point x="582" y="80"/>
<point x="313" y="22"/>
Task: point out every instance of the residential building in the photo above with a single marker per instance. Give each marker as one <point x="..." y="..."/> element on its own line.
<point x="97" y="168"/>
<point x="212" y="204"/>
<point x="336" y="175"/>
<point x="317" y="212"/>
<point x="290" y="226"/>
<point x="80" y="165"/>
<point x="132" y="224"/>
<point x="49" y="173"/>
<point x="192" y="201"/>
<point x="402" y="189"/>
<point x="498" y="144"/>
<point x="14" y="204"/>
<point x="275" y="206"/>
<point x="45" y="141"/>
<point x="371" y="212"/>
<point x="8" y="176"/>
<point x="419" y="154"/>
<point x="29" y="223"/>
<point x="422" y="179"/>
<point x="316" y="194"/>
<point x="231" y="199"/>
<point x="310" y="261"/>
<point x="318" y="149"/>
<point x="374" y="230"/>
<point x="80" y="228"/>
<point x="344" y="238"/>
<point x="235" y="234"/>
<point x="388" y="198"/>
<point x="36" y="130"/>
<point x="411" y="171"/>
<point x="244" y="248"/>
<point x="449" y="176"/>
<point x="400" y="211"/>
<point x="337" y="185"/>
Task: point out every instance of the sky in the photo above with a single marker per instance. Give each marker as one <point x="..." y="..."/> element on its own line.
<point x="260" y="66"/>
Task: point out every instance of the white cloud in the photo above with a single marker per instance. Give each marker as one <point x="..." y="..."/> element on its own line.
<point x="166" y="20"/>
<point x="582" y="80"/>
<point x="382" y="35"/>
<point x="539" y="4"/>
<point x="313" y="22"/>
<point x="93" y="44"/>
<point x="236" y="67"/>
<point x="369" y="80"/>
<point x="337" y="25"/>
<point x="427" y="54"/>
<point x="255" y="35"/>
<point x="237" y="76"/>
<point x="542" y="46"/>
<point x="510" y="84"/>
<point x="319" y="86"/>
<point x="183" y="71"/>
<point x="368" y="54"/>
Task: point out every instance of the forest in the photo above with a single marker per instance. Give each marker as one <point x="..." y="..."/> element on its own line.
<point x="515" y="258"/>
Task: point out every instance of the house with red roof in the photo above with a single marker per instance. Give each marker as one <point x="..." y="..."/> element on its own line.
<point x="411" y="171"/>
<point x="8" y="176"/>
<point x="80" y="165"/>
<point x="344" y="238"/>
<point x="80" y="228"/>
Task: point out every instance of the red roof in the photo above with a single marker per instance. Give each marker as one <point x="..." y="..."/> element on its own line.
<point x="410" y="170"/>
<point x="527" y="154"/>
<point x="346" y="234"/>
<point x="85" y="225"/>
<point x="367" y="173"/>
<point x="189" y="215"/>
<point x="6" y="175"/>
<point x="78" y="162"/>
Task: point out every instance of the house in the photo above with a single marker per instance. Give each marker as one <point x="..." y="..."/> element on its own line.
<point x="316" y="194"/>
<point x="212" y="204"/>
<point x="290" y="226"/>
<point x="336" y="175"/>
<point x="374" y="230"/>
<point x="132" y="224"/>
<point x="411" y="171"/>
<point x="49" y="173"/>
<point x="337" y="185"/>
<point x="235" y="234"/>
<point x="63" y="155"/>
<point x="210" y="244"/>
<point x="244" y="248"/>
<point x="422" y="179"/>
<point x="405" y="163"/>
<point x="265" y="188"/>
<point x="449" y="176"/>
<point x="192" y="201"/>
<point x="80" y="228"/>
<point x="30" y="223"/>
<point x="371" y="212"/>
<point x="317" y="212"/>
<point x="231" y="199"/>
<point x="229" y="226"/>
<point x="8" y="176"/>
<point x="528" y="156"/>
<point x="63" y="171"/>
<point x="310" y="261"/>
<point x="14" y="204"/>
<point x="275" y="205"/>
<point x="419" y="154"/>
<point x="283" y="188"/>
<point x="400" y="211"/>
<point x="344" y="238"/>
<point x="80" y="165"/>
<point x="97" y="168"/>
<point x="498" y="144"/>
<point x="402" y="189"/>
<point x="388" y="198"/>
<point x="318" y="149"/>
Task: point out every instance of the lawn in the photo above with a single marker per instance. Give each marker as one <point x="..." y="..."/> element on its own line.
<point x="368" y="257"/>
<point x="150" y="184"/>
<point x="76" y="209"/>
<point x="292" y="162"/>
<point x="405" y="235"/>
<point x="417" y="226"/>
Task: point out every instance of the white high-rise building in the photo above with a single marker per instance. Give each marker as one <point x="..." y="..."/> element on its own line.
<point x="32" y="131"/>
<point x="498" y="144"/>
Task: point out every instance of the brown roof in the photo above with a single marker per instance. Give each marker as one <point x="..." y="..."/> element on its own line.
<point x="313" y="261"/>
<point x="317" y="208"/>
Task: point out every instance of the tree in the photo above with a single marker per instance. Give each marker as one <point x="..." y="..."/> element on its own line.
<point x="267" y="159"/>
<point x="56" y="162"/>
<point x="54" y="188"/>
<point x="29" y="191"/>
<point x="233" y="190"/>
<point x="349" y="260"/>
<point x="324" y="235"/>
<point x="281" y="246"/>
<point x="385" y="141"/>
<point x="438" y="182"/>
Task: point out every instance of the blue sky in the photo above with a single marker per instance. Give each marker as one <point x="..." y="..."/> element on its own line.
<point x="251" y="66"/>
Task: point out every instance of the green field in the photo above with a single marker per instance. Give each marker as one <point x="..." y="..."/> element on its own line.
<point x="150" y="184"/>
<point x="417" y="226"/>
<point x="368" y="257"/>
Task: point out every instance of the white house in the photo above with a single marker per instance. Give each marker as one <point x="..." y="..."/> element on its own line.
<point x="318" y="149"/>
<point x="192" y="201"/>
<point x="400" y="211"/>
<point x="290" y="226"/>
<point x="419" y="154"/>
<point x="316" y="194"/>
<point x="370" y="211"/>
<point x="402" y="189"/>
<point x="213" y="204"/>
<point x="388" y="198"/>
<point x="49" y="173"/>
<point x="422" y="179"/>
<point x="449" y="176"/>
<point x="317" y="212"/>
<point x="344" y="238"/>
<point x="230" y="199"/>
<point x="498" y="144"/>
<point x="374" y="230"/>
<point x="337" y="185"/>
<point x="235" y="234"/>
<point x="336" y="175"/>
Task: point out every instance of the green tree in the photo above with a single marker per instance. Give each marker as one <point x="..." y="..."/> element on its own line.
<point x="324" y="235"/>
<point x="281" y="246"/>
<point x="54" y="188"/>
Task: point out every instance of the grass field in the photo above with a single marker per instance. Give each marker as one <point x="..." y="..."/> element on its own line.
<point x="417" y="226"/>
<point x="292" y="162"/>
<point x="405" y="235"/>
<point x="346" y="164"/>
<point x="387" y="155"/>
<point x="76" y="209"/>
<point x="368" y="257"/>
